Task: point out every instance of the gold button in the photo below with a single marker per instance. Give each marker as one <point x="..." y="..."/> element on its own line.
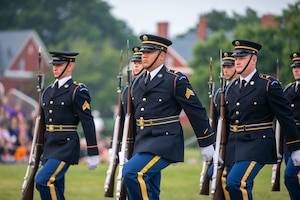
<point x="167" y="133"/>
<point x="51" y="102"/>
<point x="237" y="103"/>
<point x="62" y="103"/>
<point x="132" y="98"/>
<point x="50" y="111"/>
<point x="237" y="121"/>
<point x="160" y="100"/>
<point x="144" y="99"/>
<point x="264" y="136"/>
<point x="50" y="119"/>
<point x="68" y="139"/>
<point x="255" y="103"/>
<point x="142" y="109"/>
<point x="237" y="112"/>
<point x="292" y="105"/>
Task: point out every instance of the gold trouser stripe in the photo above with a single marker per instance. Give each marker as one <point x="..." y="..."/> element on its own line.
<point x="244" y="178"/>
<point x="140" y="177"/>
<point x="298" y="175"/>
<point x="52" y="179"/>
<point x="223" y="181"/>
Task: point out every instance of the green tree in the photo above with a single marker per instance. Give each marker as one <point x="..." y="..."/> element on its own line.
<point x="84" y="26"/>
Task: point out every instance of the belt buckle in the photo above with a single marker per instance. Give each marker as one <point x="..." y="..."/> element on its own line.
<point x="235" y="128"/>
<point x="51" y="128"/>
<point x="142" y="123"/>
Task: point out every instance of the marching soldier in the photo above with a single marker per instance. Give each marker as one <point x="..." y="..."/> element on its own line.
<point x="229" y="73"/>
<point x="158" y="97"/>
<point x="252" y="102"/>
<point x="137" y="61"/>
<point x="291" y="92"/>
<point x="65" y="104"/>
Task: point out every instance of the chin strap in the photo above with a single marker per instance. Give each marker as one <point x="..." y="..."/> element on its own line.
<point x="63" y="71"/>
<point x="246" y="65"/>
<point x="147" y="68"/>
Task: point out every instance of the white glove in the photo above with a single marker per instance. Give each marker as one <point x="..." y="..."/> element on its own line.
<point x="92" y="162"/>
<point x="207" y="152"/>
<point x="296" y="157"/>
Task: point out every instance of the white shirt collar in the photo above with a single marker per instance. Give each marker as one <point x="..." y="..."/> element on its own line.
<point x="62" y="81"/>
<point x="155" y="71"/>
<point x="248" y="78"/>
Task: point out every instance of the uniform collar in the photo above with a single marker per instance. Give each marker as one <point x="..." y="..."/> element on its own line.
<point x="62" y="81"/>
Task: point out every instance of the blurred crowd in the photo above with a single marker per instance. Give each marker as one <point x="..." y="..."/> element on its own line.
<point x="17" y="130"/>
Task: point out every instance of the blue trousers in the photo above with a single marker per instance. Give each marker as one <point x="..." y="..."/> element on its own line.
<point x="142" y="175"/>
<point x="50" y="181"/>
<point x="240" y="177"/>
<point x="292" y="179"/>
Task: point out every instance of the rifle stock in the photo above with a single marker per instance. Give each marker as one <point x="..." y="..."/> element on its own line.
<point x="204" y="178"/>
<point x="217" y="190"/>
<point x="275" y="179"/>
<point x="276" y="167"/>
<point x="128" y="136"/>
<point x="37" y="142"/>
<point x="117" y="135"/>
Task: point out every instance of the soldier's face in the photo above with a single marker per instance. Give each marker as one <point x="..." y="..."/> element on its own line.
<point x="58" y="69"/>
<point x="148" y="57"/>
<point x="296" y="72"/>
<point x="137" y="67"/>
<point x="228" y="71"/>
<point x="242" y="61"/>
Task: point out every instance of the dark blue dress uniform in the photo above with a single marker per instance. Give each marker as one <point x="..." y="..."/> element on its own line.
<point x="292" y="94"/>
<point x="63" y="108"/>
<point x="249" y="116"/>
<point x="159" y="137"/>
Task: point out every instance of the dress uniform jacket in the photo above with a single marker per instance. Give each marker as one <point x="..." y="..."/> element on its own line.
<point x="64" y="108"/>
<point x="165" y="96"/>
<point x="293" y="98"/>
<point x="249" y="111"/>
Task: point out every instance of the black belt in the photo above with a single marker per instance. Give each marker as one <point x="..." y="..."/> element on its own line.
<point x="250" y="127"/>
<point x="61" y="128"/>
<point x="154" y="122"/>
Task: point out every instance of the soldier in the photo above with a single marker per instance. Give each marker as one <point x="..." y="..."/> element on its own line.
<point x="65" y="104"/>
<point x="291" y="92"/>
<point x="252" y="102"/>
<point x="158" y="97"/>
<point x="229" y="73"/>
<point x="137" y="61"/>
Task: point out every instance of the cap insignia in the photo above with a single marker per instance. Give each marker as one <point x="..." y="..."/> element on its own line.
<point x="145" y="38"/>
<point x="295" y="55"/>
<point x="225" y="54"/>
<point x="237" y="43"/>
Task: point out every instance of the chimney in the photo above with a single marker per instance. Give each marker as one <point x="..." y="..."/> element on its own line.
<point x="162" y="29"/>
<point x="268" y="21"/>
<point x="202" y="29"/>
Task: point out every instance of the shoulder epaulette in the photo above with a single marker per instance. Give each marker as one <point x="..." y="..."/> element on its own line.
<point x="171" y="71"/>
<point x="266" y="77"/>
<point x="79" y="84"/>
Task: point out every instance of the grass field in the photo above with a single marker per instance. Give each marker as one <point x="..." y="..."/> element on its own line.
<point x="178" y="182"/>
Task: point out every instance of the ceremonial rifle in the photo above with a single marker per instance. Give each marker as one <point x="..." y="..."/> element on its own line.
<point x="115" y="145"/>
<point x="37" y="141"/>
<point x="279" y="149"/>
<point x="204" y="178"/>
<point x="217" y="191"/>
<point x="128" y="137"/>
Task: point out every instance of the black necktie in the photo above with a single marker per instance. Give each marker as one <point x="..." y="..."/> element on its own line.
<point x="147" y="78"/>
<point x="243" y="84"/>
